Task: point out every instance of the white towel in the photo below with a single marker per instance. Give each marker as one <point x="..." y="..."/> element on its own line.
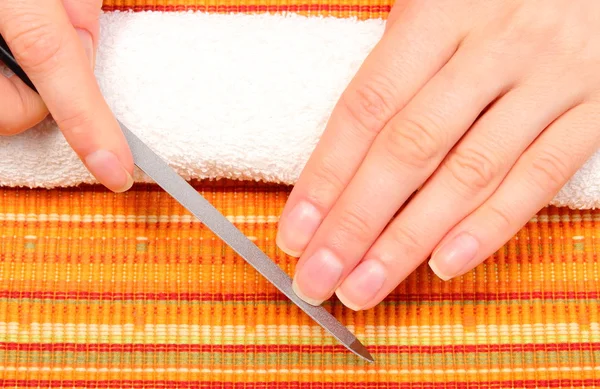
<point x="223" y="96"/>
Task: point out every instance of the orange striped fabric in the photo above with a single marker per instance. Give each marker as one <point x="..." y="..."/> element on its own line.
<point x="360" y="9"/>
<point x="129" y="290"/>
<point x="103" y="290"/>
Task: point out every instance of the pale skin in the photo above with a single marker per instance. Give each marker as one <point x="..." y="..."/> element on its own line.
<point x="487" y="108"/>
<point x="55" y="43"/>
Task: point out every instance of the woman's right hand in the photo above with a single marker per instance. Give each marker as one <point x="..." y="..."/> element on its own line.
<point x="54" y="41"/>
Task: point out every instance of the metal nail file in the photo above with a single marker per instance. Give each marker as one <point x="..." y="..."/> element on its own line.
<point x="157" y="169"/>
<point x="187" y="196"/>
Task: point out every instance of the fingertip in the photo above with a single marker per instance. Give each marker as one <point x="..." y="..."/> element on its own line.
<point x="346" y="301"/>
<point x="436" y="270"/>
<point x="109" y="171"/>
<point x="128" y="184"/>
<point x="297" y="228"/>
<point x="281" y="245"/>
<point x="88" y="45"/>
<point x="304" y="297"/>
<point x="318" y="277"/>
<point x="363" y="286"/>
<point x="455" y="257"/>
<point x="125" y="156"/>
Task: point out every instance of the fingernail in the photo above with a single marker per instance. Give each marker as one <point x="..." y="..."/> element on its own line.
<point x="454" y="257"/>
<point x="316" y="280"/>
<point x="297" y="228"/>
<point x="88" y="44"/>
<point x="105" y="166"/>
<point x="5" y="71"/>
<point x="362" y="285"/>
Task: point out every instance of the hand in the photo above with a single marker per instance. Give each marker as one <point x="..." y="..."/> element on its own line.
<point x="488" y="107"/>
<point x="55" y="42"/>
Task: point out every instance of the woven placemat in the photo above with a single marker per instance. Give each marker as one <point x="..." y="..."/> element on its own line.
<point x="99" y="290"/>
<point x="129" y="290"/>
<point x="360" y="9"/>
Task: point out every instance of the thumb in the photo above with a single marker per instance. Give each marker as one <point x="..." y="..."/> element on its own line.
<point x="84" y="15"/>
<point x="42" y="38"/>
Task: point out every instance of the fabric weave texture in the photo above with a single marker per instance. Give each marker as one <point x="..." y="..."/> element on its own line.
<point x="360" y="9"/>
<point x="103" y="290"/>
<point x="130" y="291"/>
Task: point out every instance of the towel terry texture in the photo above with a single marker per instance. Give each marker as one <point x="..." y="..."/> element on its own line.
<point x="223" y="96"/>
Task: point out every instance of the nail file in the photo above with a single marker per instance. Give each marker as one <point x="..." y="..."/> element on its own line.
<point x="157" y="169"/>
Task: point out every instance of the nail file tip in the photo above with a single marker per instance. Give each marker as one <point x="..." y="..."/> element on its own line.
<point x="359" y="349"/>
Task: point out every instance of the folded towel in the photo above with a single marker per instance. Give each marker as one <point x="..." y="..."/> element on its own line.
<point x="223" y="96"/>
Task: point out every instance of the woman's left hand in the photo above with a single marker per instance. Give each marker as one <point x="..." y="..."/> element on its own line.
<point x="488" y="107"/>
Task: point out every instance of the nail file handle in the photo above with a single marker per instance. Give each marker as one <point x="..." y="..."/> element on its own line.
<point x="8" y="58"/>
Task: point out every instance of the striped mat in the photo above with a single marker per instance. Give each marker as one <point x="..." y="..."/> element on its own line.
<point x="360" y="9"/>
<point x="99" y="290"/>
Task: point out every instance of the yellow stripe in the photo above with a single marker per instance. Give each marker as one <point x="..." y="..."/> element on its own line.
<point x="282" y="334"/>
<point x="301" y="371"/>
<point x="251" y="219"/>
<point x="108" y="218"/>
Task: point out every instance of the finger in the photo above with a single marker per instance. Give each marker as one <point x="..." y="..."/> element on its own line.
<point x="20" y="107"/>
<point x="84" y="16"/>
<point x="537" y="177"/>
<point x="471" y="172"/>
<point x="408" y="55"/>
<point x="396" y="13"/>
<point x="49" y="49"/>
<point x="405" y="154"/>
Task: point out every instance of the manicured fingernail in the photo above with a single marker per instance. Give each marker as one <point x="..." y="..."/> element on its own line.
<point x="316" y="280"/>
<point x="105" y="166"/>
<point x="363" y="284"/>
<point x="454" y="257"/>
<point x="5" y="71"/>
<point x="88" y="44"/>
<point x="297" y="228"/>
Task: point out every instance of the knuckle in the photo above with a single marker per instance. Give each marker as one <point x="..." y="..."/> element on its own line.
<point x="403" y="236"/>
<point x="37" y="46"/>
<point x="528" y="31"/>
<point x="352" y="226"/>
<point x="25" y="112"/>
<point x="326" y="182"/>
<point x="500" y="217"/>
<point x="415" y="143"/>
<point x="530" y="24"/>
<point x="17" y="126"/>
<point x="473" y="169"/>
<point x="370" y="104"/>
<point x="76" y="124"/>
<point x="549" y="169"/>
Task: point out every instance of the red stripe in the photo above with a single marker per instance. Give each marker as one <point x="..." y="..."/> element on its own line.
<point x="558" y="383"/>
<point x="256" y="8"/>
<point x="275" y="296"/>
<point x="205" y="348"/>
<point x="150" y="188"/>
